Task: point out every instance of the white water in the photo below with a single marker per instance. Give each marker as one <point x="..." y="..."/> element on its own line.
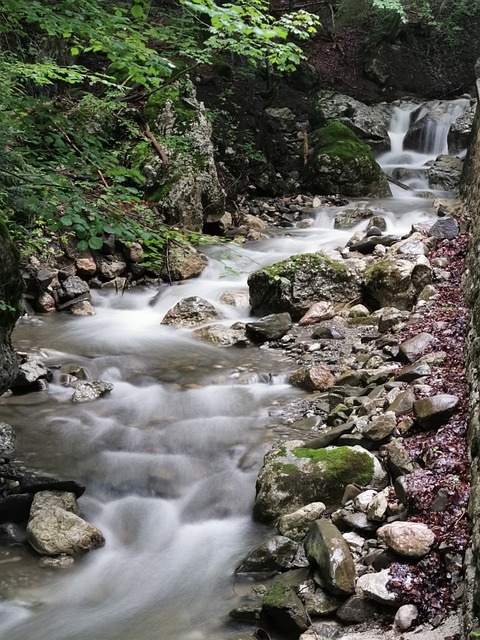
<point x="169" y="458"/>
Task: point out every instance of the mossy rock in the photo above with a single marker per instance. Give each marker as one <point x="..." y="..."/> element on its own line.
<point x="294" y="476"/>
<point x="341" y="163"/>
<point x="395" y="282"/>
<point x="293" y="285"/>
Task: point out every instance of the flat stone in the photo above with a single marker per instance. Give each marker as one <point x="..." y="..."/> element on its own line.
<point x="327" y="333"/>
<point x="413" y="372"/>
<point x="274" y="554"/>
<point x="408" y="539"/>
<point x="435" y="411"/>
<point x="318" y="311"/>
<point x="271" y="327"/>
<point x="412" y="348"/>
<point x="403" y="403"/>
<point x="374" y="587"/>
<point x="285" y="609"/>
<point x="317" y="378"/>
<point x="444" y="228"/>
<point x="380" y="426"/>
<point x="356" y="610"/>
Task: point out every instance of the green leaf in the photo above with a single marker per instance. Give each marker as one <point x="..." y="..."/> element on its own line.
<point x="82" y="245"/>
<point x="95" y="243"/>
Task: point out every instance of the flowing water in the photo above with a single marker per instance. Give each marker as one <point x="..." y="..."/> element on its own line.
<point x="170" y="457"/>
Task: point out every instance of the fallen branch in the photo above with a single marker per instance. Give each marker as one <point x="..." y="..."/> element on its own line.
<point x="402" y="185"/>
<point x="158" y="147"/>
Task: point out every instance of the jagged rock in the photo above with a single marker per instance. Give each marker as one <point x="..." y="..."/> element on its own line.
<point x="460" y="131"/>
<point x="446" y="173"/>
<point x="190" y="312"/>
<point x="83" y="308"/>
<point x="363" y="499"/>
<point x="271" y="327"/>
<point x="133" y="251"/>
<point x="403" y="403"/>
<point x="391" y="317"/>
<point x="66" y="500"/>
<point x="88" y="391"/>
<point x="374" y="587"/>
<point x="356" y="610"/>
<point x="408" y="539"/>
<point x="341" y="163"/>
<point x="222" y="336"/>
<point x="277" y="553"/>
<point x="7" y="439"/>
<point x="45" y="303"/>
<point x="293" y="476"/>
<point x="183" y="264"/>
<point x="287" y="612"/>
<point x="326" y="549"/>
<point x="406" y="616"/>
<point x="31" y="371"/>
<point x="317" y="378"/>
<point x="395" y="282"/>
<point x="413" y="372"/>
<point x="296" y="283"/>
<point x="444" y="228"/>
<point x="110" y="269"/>
<point x="348" y="218"/>
<point x="346" y="519"/>
<point x="379" y="427"/>
<point x="377" y="508"/>
<point x="86" y="267"/>
<point x="318" y="601"/>
<point x="434" y="411"/>
<point x="73" y="288"/>
<point x="413" y="348"/>
<point x="296" y="525"/>
<point x="284" y="117"/>
<point x="398" y="458"/>
<point x="318" y="312"/>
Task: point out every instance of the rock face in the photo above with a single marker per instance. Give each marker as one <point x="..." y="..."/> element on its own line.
<point x="10" y="297"/>
<point x="325" y="548"/>
<point x="187" y="189"/>
<point x="294" y="476"/>
<point x="295" y="284"/>
<point x="341" y="163"/>
<point x="445" y="173"/>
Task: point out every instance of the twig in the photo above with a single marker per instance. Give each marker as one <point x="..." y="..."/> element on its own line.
<point x="102" y="178"/>
<point x="158" y="147"/>
<point x="167" y="263"/>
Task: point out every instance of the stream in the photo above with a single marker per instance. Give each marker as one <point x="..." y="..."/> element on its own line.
<point x="171" y="456"/>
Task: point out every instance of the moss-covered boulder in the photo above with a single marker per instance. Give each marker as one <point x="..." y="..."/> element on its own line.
<point x="341" y="163"/>
<point x="185" y="186"/>
<point x="394" y="282"/>
<point x="10" y="303"/>
<point x="293" y="285"/>
<point x="293" y="476"/>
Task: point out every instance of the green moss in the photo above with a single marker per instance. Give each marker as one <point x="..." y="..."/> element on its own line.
<point x="311" y="261"/>
<point x="368" y="321"/>
<point x="276" y="595"/>
<point x="382" y="273"/>
<point x="337" y="140"/>
<point x="184" y="113"/>
<point x="287" y="469"/>
<point x="162" y="192"/>
<point x="341" y="464"/>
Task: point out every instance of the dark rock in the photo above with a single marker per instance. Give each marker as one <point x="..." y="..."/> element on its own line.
<point x="7" y="439"/>
<point x="285" y="609"/>
<point x="11" y="533"/>
<point x="445" y="173"/>
<point x="369" y="242"/>
<point x="413" y="372"/>
<point x="190" y="312"/>
<point x="327" y="333"/>
<point x="35" y="484"/>
<point x="356" y="610"/>
<point x="412" y="348"/>
<point x="329" y="436"/>
<point x="445" y="228"/>
<point x="271" y="327"/>
<point x="15" y="508"/>
<point x="73" y="288"/>
<point x="274" y="554"/>
<point x="403" y="403"/>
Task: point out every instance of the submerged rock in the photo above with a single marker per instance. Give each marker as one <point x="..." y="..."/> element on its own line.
<point x="88" y="391"/>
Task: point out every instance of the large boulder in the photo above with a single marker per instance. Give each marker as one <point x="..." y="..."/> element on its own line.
<point x="341" y="163"/>
<point x="293" y="476"/>
<point x="185" y="188"/>
<point x="396" y="282"/>
<point x="190" y="312"/>
<point x="296" y="283"/>
<point x="445" y="173"/>
<point x="368" y="122"/>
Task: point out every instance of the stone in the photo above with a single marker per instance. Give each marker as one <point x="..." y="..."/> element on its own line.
<point x="83" y="308"/>
<point x="358" y="311"/>
<point x="277" y="553"/>
<point x="329" y="436"/>
<point x="435" y="411"/>
<point x="285" y="609"/>
<point x="238" y="299"/>
<point x="88" y="391"/>
<point x="413" y="372"/>
<point x="345" y="519"/>
<point x="296" y="525"/>
<point x="271" y="327"/>
<point x="7" y="439"/>
<point x="403" y="403"/>
<point x="319" y="602"/>
<point x="110" y="269"/>
<point x="317" y="378"/>
<point x="73" y="288"/>
<point x="66" y="500"/>
<point x="445" y="173"/>
<point x="363" y="499"/>
<point x="45" y="303"/>
<point x="58" y="562"/>
<point x="396" y="282"/>
<point x="411" y="349"/>
<point x="190" y="312"/>
<point x="460" y="131"/>
<point x="30" y="371"/>
<point x="12" y="533"/>
<point x="296" y="283"/>
<point x="285" y="119"/>
<point x="444" y="228"/>
<point x="348" y="218"/>
<point x="326" y="549"/>
<point x="374" y="587"/>
<point x="377" y="509"/>
<point x="132" y="251"/>
<point x="391" y="317"/>
<point x="183" y="263"/>
<point x="222" y="336"/>
<point x="398" y="458"/>
<point x="356" y="610"/>
<point x="293" y="476"/>
<point x="317" y="312"/>
<point x="86" y="267"/>
<point x="379" y="427"/>
<point x="406" y="615"/>
<point x="327" y="333"/>
<point x="408" y="539"/>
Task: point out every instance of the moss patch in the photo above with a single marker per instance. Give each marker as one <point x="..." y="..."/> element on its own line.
<point x="341" y="464"/>
<point x="276" y="596"/>
<point x="336" y="139"/>
<point x="307" y="261"/>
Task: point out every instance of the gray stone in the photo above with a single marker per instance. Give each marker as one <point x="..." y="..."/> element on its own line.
<point x="318" y="311"/>
<point x="53" y="499"/>
<point x="190" y="312"/>
<point x="379" y="427"/>
<point x="88" y="391"/>
<point x="7" y="439"/>
<point x="412" y="348"/>
<point x="72" y="288"/>
<point x="285" y="609"/>
<point x="398" y="458"/>
<point x="445" y="173"/>
<point x="396" y="282"/>
<point x="348" y="218"/>
<point x="406" y="616"/>
<point x="274" y="554"/>
<point x="30" y="371"/>
<point x="434" y="411"/>
<point x="222" y="336"/>
<point x="326" y="549"/>
<point x="271" y="327"/>
<point x="377" y="509"/>
<point x="316" y="378"/>
<point x="183" y="263"/>
<point x="356" y="610"/>
<point x="391" y="317"/>
<point x="403" y="403"/>
<point x="413" y="372"/>
<point x="327" y="333"/>
<point x="296" y="525"/>
<point x="408" y="539"/>
<point x="374" y="587"/>
<point x="110" y="269"/>
<point x="319" y="602"/>
<point x="444" y="228"/>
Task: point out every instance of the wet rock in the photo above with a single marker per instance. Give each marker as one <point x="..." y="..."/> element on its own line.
<point x="7" y="439"/>
<point x="406" y="616"/>
<point x="72" y="288"/>
<point x="445" y="173"/>
<point x="183" y="264"/>
<point x="432" y="412"/>
<point x="348" y="218"/>
<point x="326" y="549"/>
<point x="88" y="391"/>
<point x="367" y="243"/>
<point x="238" y="299"/>
<point x="54" y="499"/>
<point x="190" y="312"/>
<point x="296" y="525"/>
<point x="31" y="371"/>
<point x="12" y="533"/>
<point x="396" y="282"/>
<point x="15" y="508"/>
<point x="271" y="327"/>
<point x="36" y="484"/>
<point x="285" y="609"/>
<point x="363" y="499"/>
<point x="460" y="131"/>
<point x="356" y="610"/>
<point x="317" y="378"/>
<point x="293" y="476"/>
<point x="444" y="228"/>
<point x="319" y="602"/>
<point x="222" y="336"/>
<point x="83" y="308"/>
<point x="252" y="613"/>
<point x="408" y="539"/>
<point x="274" y="554"/>
<point x="330" y="436"/>
<point x="318" y="311"/>
<point x="58" y="562"/>
<point x="374" y="587"/>
<point x="411" y="349"/>
<point x="296" y="283"/>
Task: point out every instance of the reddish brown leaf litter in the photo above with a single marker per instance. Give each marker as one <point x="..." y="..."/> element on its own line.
<point x="438" y="492"/>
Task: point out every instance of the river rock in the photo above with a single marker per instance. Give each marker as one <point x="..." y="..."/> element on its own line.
<point x="399" y="461"/>
<point x="348" y="218"/>
<point x="413" y="372"/>
<point x="271" y="327"/>
<point x="326" y="549"/>
<point x="274" y="554"/>
<point x="434" y="411"/>
<point x="318" y="601"/>
<point x="356" y="610"/>
<point x="390" y="317"/>
<point x="293" y="476"/>
<point x="72" y="288"/>
<point x="183" y="263"/>
<point x="31" y="371"/>
<point x="408" y="539"/>
<point x="377" y="507"/>
<point x="379" y="427"/>
<point x="238" y="299"/>
<point x="45" y="303"/>
<point x="444" y="228"/>
<point x="296" y="525"/>
<point x="318" y="312"/>
<point x="460" y="131"/>
<point x="317" y="378"/>
<point x="327" y="333"/>
<point x="406" y="616"/>
<point x="363" y="499"/>
<point x="83" y="308"/>
<point x="413" y="348"/>
<point x="88" y="391"/>
<point x="110" y="267"/>
<point x="285" y="609"/>
<point x="374" y="587"/>
<point x="446" y="173"/>
<point x="190" y="312"/>
<point x="222" y="336"/>
<point x="296" y="283"/>
<point x="403" y="403"/>
<point x="7" y="439"/>
<point x="395" y="282"/>
<point x="66" y="500"/>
